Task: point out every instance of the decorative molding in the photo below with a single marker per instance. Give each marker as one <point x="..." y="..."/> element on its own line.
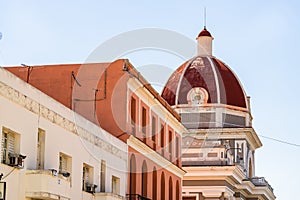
<point x="42" y="111"/>
<point x="228" y="133"/>
<point x="213" y="106"/>
<point x="45" y="195"/>
<point x="249" y="187"/>
<point x="152" y="155"/>
<point x="135" y="86"/>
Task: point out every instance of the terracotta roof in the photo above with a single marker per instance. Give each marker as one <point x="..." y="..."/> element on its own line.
<point x="204" y="32"/>
<point x="214" y="76"/>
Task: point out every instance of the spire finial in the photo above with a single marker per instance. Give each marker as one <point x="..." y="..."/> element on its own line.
<point x="204" y="17"/>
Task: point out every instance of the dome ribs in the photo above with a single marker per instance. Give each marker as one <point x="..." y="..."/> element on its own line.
<point x="199" y="72"/>
<point x="231" y="92"/>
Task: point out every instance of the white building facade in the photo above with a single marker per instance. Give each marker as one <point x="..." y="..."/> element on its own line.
<point x="50" y="152"/>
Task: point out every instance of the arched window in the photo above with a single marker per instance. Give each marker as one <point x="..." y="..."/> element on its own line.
<point x="177" y="190"/>
<point x="162" y="186"/>
<point x="144" y="179"/>
<point x="132" y="179"/>
<point x="170" y="188"/>
<point x="154" y="184"/>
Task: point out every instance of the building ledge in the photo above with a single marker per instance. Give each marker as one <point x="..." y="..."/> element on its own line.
<point x="108" y="196"/>
<point x="45" y="195"/>
<point x="260" y="182"/>
<point x="43" y="184"/>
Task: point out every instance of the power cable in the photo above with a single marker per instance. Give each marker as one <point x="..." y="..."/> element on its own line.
<point x="281" y="141"/>
<point x="8" y="173"/>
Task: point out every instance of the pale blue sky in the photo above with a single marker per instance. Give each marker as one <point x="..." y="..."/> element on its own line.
<point x="259" y="40"/>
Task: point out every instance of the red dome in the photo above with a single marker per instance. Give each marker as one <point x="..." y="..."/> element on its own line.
<point x="204" y="32"/>
<point x="209" y="73"/>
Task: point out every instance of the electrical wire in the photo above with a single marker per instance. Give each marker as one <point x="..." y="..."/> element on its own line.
<point x="281" y="141"/>
<point x="74" y="77"/>
<point x="8" y="173"/>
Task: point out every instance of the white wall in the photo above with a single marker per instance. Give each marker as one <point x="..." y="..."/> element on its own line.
<point x="65" y="132"/>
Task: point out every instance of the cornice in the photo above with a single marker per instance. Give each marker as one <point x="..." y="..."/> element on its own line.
<point x="135" y="85"/>
<point x="231" y="174"/>
<point x="154" y="156"/>
<point x="247" y="133"/>
<point x="41" y="110"/>
<point x="258" y="190"/>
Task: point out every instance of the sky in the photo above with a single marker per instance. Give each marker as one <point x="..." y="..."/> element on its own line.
<point x="259" y="40"/>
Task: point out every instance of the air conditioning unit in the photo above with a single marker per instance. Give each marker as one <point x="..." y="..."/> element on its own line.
<point x="91" y="188"/>
<point x="16" y="160"/>
<point x="64" y="173"/>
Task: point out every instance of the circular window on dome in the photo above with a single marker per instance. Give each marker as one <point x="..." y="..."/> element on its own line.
<point x="197" y="96"/>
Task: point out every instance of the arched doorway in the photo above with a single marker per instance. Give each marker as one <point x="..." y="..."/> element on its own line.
<point x="170" y="188"/>
<point x="162" y="186"/>
<point x="132" y="178"/>
<point x="144" y="179"/>
<point x="177" y="190"/>
<point x="154" y="184"/>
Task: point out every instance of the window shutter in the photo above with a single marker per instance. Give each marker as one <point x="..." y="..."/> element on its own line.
<point x="63" y="163"/>
<point x="4" y="147"/>
<point x="11" y="143"/>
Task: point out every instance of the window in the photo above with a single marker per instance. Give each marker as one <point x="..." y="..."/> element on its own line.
<point x="40" y="149"/>
<point x="233" y="121"/>
<point x="133" y="114"/>
<point x="162" y="138"/>
<point x="153" y="130"/>
<point x="115" y="185"/>
<point x="144" y="123"/>
<point x="170" y="188"/>
<point x="65" y="165"/>
<point x="102" y="176"/>
<point x="154" y="184"/>
<point x="171" y="144"/>
<point x="177" y="148"/>
<point x="177" y="190"/>
<point x="87" y="178"/>
<point x="132" y="183"/>
<point x="162" y="186"/>
<point x="10" y="150"/>
<point x="144" y="179"/>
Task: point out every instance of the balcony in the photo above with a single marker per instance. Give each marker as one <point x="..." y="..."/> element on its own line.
<point x="260" y="182"/>
<point x="101" y="196"/>
<point x="108" y="196"/>
<point x="136" y="197"/>
<point x="47" y="184"/>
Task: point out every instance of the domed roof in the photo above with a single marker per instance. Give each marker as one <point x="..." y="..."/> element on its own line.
<point x="204" y="32"/>
<point x="208" y="74"/>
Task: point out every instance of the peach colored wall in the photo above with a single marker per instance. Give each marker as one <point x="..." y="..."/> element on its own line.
<point x="150" y="166"/>
<point x="149" y="140"/>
